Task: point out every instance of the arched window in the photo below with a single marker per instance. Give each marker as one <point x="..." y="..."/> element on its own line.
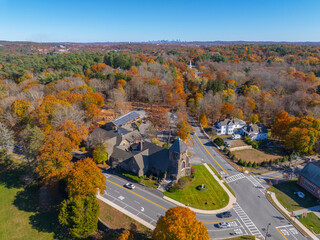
<point x="183" y="165"/>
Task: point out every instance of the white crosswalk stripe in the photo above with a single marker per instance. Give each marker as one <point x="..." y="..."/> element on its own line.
<point x="255" y="182"/>
<point x="247" y="221"/>
<point x="235" y="177"/>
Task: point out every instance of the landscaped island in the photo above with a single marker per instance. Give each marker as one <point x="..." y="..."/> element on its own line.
<point x="214" y="197"/>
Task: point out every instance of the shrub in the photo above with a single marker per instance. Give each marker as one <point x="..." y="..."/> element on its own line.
<point x="182" y="182"/>
<point x="193" y="172"/>
<point x="263" y="164"/>
<point x="173" y="189"/>
<point x="245" y="164"/>
<point x="249" y="164"/>
<point x="219" y="141"/>
<point x="225" y="150"/>
<point x="240" y="162"/>
<point x="255" y="144"/>
<point x="277" y="160"/>
<point x="255" y="165"/>
<point x="270" y="162"/>
<point x="229" y="153"/>
<point x="233" y="157"/>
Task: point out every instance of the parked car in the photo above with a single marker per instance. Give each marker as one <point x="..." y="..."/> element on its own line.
<point x="225" y="214"/>
<point x="228" y="144"/>
<point x="224" y="225"/>
<point x="130" y="186"/>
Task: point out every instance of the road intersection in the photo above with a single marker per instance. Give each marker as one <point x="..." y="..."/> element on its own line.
<point x="251" y="214"/>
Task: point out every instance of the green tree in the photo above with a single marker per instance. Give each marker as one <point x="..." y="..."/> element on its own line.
<point x="100" y="154"/>
<point x="219" y="141"/>
<point x="31" y="138"/>
<point x="79" y="217"/>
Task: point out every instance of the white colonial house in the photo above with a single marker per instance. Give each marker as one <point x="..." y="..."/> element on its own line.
<point x="228" y="126"/>
<point x="255" y="131"/>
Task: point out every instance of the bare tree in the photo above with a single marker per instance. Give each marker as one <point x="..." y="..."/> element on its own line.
<point x="6" y="138"/>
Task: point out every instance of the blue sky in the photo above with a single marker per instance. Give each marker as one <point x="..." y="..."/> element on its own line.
<point x="140" y="20"/>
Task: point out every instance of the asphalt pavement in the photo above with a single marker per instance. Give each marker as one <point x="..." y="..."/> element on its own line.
<point x="253" y="214"/>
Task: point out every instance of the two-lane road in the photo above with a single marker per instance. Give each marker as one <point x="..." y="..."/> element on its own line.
<point x="251" y="214"/>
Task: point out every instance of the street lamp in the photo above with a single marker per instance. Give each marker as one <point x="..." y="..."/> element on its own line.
<point x="269" y="224"/>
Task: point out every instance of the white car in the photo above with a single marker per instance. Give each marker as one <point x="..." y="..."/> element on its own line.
<point x="224" y="225"/>
<point x="130" y="186"/>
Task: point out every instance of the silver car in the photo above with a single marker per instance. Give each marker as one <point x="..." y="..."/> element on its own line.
<point x="130" y="186"/>
<point x="224" y="225"/>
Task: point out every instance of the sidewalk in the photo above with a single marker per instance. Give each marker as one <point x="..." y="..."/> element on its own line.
<point x="232" y="199"/>
<point x="314" y="209"/>
<point x="283" y="209"/>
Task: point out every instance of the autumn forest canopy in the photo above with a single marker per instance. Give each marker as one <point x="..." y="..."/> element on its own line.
<point x="61" y="93"/>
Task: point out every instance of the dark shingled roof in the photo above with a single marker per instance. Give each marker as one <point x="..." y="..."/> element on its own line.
<point x="312" y="172"/>
<point x="178" y="146"/>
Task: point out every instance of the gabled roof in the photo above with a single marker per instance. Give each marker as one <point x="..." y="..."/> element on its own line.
<point x="231" y="121"/>
<point x="256" y="128"/>
<point x="99" y="134"/>
<point x="312" y="172"/>
<point x="178" y="146"/>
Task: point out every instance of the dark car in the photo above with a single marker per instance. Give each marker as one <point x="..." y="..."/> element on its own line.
<point x="225" y="214"/>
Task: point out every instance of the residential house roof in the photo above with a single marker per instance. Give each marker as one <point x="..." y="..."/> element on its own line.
<point x="256" y="128"/>
<point x="231" y="121"/>
<point x="312" y="173"/>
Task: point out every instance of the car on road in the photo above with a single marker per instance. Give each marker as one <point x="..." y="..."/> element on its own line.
<point x="224" y="225"/>
<point x="224" y="214"/>
<point x="130" y="186"/>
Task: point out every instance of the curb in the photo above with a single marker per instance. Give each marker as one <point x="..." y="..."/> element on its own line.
<point x="129" y="214"/>
<point x="232" y="199"/>
<point x="287" y="214"/>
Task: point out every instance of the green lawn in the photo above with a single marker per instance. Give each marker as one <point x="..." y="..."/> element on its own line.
<point x="285" y="194"/>
<point x="214" y="196"/>
<point x="219" y="176"/>
<point x="311" y="221"/>
<point x="19" y="214"/>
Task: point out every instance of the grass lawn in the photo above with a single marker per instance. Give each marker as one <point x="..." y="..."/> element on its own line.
<point x="214" y="196"/>
<point x="117" y="220"/>
<point x="254" y="155"/>
<point x="20" y="217"/>
<point x="219" y="176"/>
<point x="311" y="221"/>
<point x="285" y="194"/>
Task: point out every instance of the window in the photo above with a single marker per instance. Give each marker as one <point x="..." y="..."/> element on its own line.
<point x="183" y="165"/>
<point x="309" y="186"/>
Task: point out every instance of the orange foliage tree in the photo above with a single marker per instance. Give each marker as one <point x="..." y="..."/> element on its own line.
<point x="75" y="133"/>
<point x="85" y="179"/>
<point x="54" y="161"/>
<point x="21" y="107"/>
<point x="180" y="223"/>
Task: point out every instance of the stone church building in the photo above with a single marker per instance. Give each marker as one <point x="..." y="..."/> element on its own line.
<point x="128" y="151"/>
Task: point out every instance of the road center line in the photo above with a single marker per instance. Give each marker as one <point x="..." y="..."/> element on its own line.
<point x="209" y="153"/>
<point x="137" y="195"/>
